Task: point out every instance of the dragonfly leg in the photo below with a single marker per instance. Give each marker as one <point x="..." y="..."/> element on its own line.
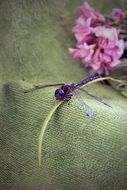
<point x="69" y="96"/>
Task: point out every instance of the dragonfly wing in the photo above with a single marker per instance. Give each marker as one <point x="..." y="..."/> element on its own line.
<point x="99" y="99"/>
<point x="87" y="109"/>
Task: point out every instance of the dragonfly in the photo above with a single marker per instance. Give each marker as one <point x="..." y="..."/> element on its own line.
<point x="66" y="91"/>
<point x="64" y="94"/>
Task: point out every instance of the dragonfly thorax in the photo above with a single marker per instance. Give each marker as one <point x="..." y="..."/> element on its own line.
<point x="64" y="92"/>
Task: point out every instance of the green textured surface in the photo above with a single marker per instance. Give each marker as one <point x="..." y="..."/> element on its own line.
<point x="78" y="154"/>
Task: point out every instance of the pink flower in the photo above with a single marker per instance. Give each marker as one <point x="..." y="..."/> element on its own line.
<point x="104" y="53"/>
<point x="83" y="51"/>
<point x="82" y="29"/>
<point x="88" y="19"/>
<point x="118" y="14"/>
<point x="88" y="12"/>
<point x="98" y="45"/>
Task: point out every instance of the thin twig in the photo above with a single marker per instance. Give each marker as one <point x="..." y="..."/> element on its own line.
<point x="44" y="127"/>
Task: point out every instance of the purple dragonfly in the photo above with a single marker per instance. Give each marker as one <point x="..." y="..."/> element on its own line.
<point x="66" y="91"/>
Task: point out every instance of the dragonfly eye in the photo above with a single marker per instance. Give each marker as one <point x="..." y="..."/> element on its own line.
<point x="59" y="94"/>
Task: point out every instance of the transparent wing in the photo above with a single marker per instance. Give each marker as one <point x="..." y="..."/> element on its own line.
<point x="99" y="99"/>
<point x="87" y="109"/>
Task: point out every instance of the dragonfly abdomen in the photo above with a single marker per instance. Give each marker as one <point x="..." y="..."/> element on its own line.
<point x="87" y="80"/>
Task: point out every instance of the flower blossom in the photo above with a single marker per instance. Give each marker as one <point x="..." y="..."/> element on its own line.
<point x="103" y="53"/>
<point x="88" y="12"/>
<point x="118" y="14"/>
<point x="82" y="30"/>
<point x="98" y="45"/>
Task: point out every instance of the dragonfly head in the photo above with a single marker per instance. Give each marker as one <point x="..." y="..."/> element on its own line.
<point x="63" y="93"/>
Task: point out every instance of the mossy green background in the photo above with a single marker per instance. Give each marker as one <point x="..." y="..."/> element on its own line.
<point x="77" y="153"/>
